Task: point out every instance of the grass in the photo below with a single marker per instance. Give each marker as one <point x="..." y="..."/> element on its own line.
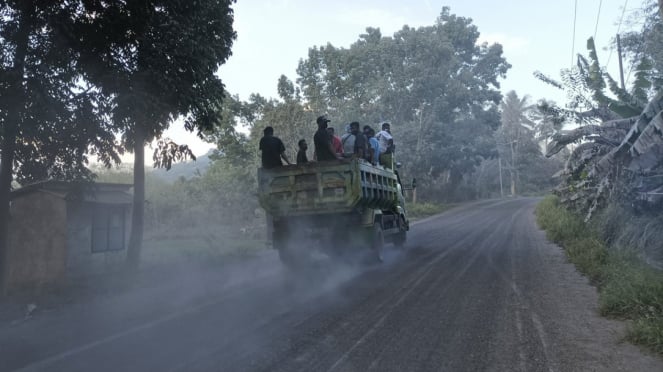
<point x="422" y="210"/>
<point x="628" y="289"/>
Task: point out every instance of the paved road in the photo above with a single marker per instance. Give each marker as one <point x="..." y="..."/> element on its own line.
<point x="478" y="289"/>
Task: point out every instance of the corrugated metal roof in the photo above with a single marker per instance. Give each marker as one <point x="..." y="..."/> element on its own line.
<point x="106" y="193"/>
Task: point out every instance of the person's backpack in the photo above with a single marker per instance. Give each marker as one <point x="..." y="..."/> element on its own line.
<point x="348" y="141"/>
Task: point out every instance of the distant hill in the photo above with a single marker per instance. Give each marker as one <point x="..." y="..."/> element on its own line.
<point x="187" y="170"/>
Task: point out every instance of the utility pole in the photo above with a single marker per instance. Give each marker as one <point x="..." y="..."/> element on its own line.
<point x="621" y="68"/>
<point x="499" y="163"/>
<point x="414" y="191"/>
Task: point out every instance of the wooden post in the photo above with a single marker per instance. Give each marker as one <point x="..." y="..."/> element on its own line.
<point x="499" y="163"/>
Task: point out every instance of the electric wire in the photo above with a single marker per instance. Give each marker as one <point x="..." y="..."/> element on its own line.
<point x="573" y="41"/>
<point x="598" y="16"/>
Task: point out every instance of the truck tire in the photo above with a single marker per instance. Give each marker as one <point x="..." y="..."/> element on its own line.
<point x="281" y="241"/>
<point x="377" y="242"/>
<point x="400" y="238"/>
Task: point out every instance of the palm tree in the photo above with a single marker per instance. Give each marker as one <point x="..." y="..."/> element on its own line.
<point x="517" y="129"/>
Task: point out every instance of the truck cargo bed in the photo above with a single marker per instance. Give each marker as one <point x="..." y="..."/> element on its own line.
<point x="336" y="186"/>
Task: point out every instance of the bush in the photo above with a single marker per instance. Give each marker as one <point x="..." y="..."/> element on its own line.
<point x="560" y="225"/>
<point x="631" y="290"/>
<point x="421" y="210"/>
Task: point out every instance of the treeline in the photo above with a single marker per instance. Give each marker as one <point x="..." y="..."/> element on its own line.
<point x="86" y="79"/>
<point x="437" y="86"/>
<point x="454" y="131"/>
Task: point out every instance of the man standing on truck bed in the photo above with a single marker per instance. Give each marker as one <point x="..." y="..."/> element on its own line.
<point x="272" y="150"/>
<point x="359" y="147"/>
<point x="386" y="146"/>
<point x="301" y="154"/>
<point x="322" y="141"/>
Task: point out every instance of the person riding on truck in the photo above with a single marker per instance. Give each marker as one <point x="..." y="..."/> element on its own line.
<point x="322" y="140"/>
<point x="374" y="144"/>
<point x="336" y="142"/>
<point x="301" y="154"/>
<point x="386" y="146"/>
<point x="272" y="149"/>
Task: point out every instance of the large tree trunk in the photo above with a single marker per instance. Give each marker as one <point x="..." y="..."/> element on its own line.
<point x="137" y="220"/>
<point x="512" y="170"/>
<point x="10" y="134"/>
<point x="6" y="173"/>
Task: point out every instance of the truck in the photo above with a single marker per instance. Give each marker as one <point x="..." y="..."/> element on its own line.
<point x="337" y="207"/>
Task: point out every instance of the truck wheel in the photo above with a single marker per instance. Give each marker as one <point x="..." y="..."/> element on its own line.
<point x="281" y="240"/>
<point x="401" y="237"/>
<point x="377" y="242"/>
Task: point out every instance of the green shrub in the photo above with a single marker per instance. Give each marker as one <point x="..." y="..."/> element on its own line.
<point x="648" y="332"/>
<point x="631" y="290"/>
<point x="421" y="210"/>
<point x="589" y="255"/>
<point x="560" y="225"/>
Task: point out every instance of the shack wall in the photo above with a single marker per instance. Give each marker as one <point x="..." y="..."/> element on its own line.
<point x="37" y="240"/>
<point x="82" y="261"/>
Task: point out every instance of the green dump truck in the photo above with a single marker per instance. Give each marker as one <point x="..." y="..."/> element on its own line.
<point x="336" y="207"/>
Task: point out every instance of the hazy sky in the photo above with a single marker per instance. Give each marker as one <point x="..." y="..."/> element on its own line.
<point x="272" y="36"/>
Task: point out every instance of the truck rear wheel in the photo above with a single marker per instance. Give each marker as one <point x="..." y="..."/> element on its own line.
<point x="377" y="242"/>
<point x="400" y="237"/>
<point x="281" y="240"/>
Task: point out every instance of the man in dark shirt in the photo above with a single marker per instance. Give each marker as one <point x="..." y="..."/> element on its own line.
<point x="322" y="141"/>
<point x="272" y="149"/>
<point x="361" y="143"/>
<point x="301" y="154"/>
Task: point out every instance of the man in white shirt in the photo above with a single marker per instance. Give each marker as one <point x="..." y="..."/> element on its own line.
<point x="386" y="146"/>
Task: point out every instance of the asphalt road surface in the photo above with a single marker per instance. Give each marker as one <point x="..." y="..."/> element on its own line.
<point x="478" y="288"/>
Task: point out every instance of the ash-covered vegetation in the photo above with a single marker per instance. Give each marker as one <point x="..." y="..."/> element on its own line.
<point x="615" y="172"/>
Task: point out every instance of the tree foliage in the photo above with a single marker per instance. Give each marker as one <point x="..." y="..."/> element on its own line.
<point x="620" y="157"/>
<point x="51" y="118"/>
<point x="643" y="49"/>
<point x="516" y="138"/>
<point x="437" y="86"/>
<point x="158" y="60"/>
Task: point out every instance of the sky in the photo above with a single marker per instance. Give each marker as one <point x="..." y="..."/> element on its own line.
<point x="274" y="35"/>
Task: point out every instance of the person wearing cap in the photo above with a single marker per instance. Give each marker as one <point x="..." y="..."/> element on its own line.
<point x="272" y="149"/>
<point x="322" y="141"/>
<point x="386" y="146"/>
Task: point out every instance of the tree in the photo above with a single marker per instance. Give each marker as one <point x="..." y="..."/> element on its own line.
<point x="516" y="135"/>
<point x="623" y="142"/>
<point x="438" y="87"/>
<point x="642" y="48"/>
<point x="51" y="118"/>
<point x="157" y="59"/>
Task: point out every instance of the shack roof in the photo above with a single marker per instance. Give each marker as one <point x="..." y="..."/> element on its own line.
<point x="94" y="192"/>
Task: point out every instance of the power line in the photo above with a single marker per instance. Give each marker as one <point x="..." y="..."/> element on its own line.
<point x="619" y="27"/>
<point x="598" y="16"/>
<point x="573" y="41"/>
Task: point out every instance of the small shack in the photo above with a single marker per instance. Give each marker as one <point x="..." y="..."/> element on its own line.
<point x="63" y="229"/>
